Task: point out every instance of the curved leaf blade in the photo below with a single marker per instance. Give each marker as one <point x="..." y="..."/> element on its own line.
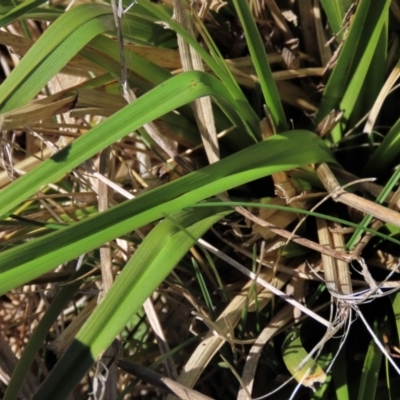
<point x="166" y="97"/>
<point x="294" y="354"/>
<point x="386" y="153"/>
<point x="159" y="253"/>
<point x="261" y="65"/>
<point x="347" y="77"/>
<point x="276" y="154"/>
<point x="20" y="11"/>
<point x="64" y="38"/>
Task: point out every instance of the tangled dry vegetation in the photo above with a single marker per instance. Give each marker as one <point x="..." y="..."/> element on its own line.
<point x="292" y="289"/>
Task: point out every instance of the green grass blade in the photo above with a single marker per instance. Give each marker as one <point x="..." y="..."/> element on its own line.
<point x="278" y="153"/>
<point x="159" y="253"/>
<point x="335" y="11"/>
<point x="20" y="11"/>
<point x="392" y="182"/>
<point x="138" y="29"/>
<point x="144" y="74"/>
<point x="322" y="392"/>
<point x="221" y="71"/>
<point x="370" y="372"/>
<point x="176" y="92"/>
<point x="52" y="51"/>
<point x="42" y="330"/>
<point x="40" y="13"/>
<point x="396" y="311"/>
<point x="367" y="81"/>
<point x="294" y="354"/>
<point x="204" y="290"/>
<point x="386" y="153"/>
<point x="261" y="65"/>
<point x="345" y="83"/>
<point x="151" y="73"/>
<point x="340" y="372"/>
<point x="307" y="213"/>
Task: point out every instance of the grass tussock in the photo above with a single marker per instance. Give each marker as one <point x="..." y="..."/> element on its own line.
<point x="199" y="199"/>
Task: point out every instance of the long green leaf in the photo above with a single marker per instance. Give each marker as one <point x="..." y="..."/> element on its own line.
<point x="391" y="183"/>
<point x="340" y="372"/>
<point x="20" y="10"/>
<point x="396" y="312"/>
<point x="278" y="153"/>
<point x="217" y="65"/>
<point x="107" y="57"/>
<point x="174" y="93"/>
<point x="386" y="153"/>
<point x="52" y="51"/>
<point x="41" y="13"/>
<point x="261" y="65"/>
<point x="139" y="29"/>
<point x="367" y="80"/>
<point x="159" y="253"/>
<point x="345" y="83"/>
<point x="294" y="354"/>
<point x="370" y="372"/>
<point x="335" y="11"/>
